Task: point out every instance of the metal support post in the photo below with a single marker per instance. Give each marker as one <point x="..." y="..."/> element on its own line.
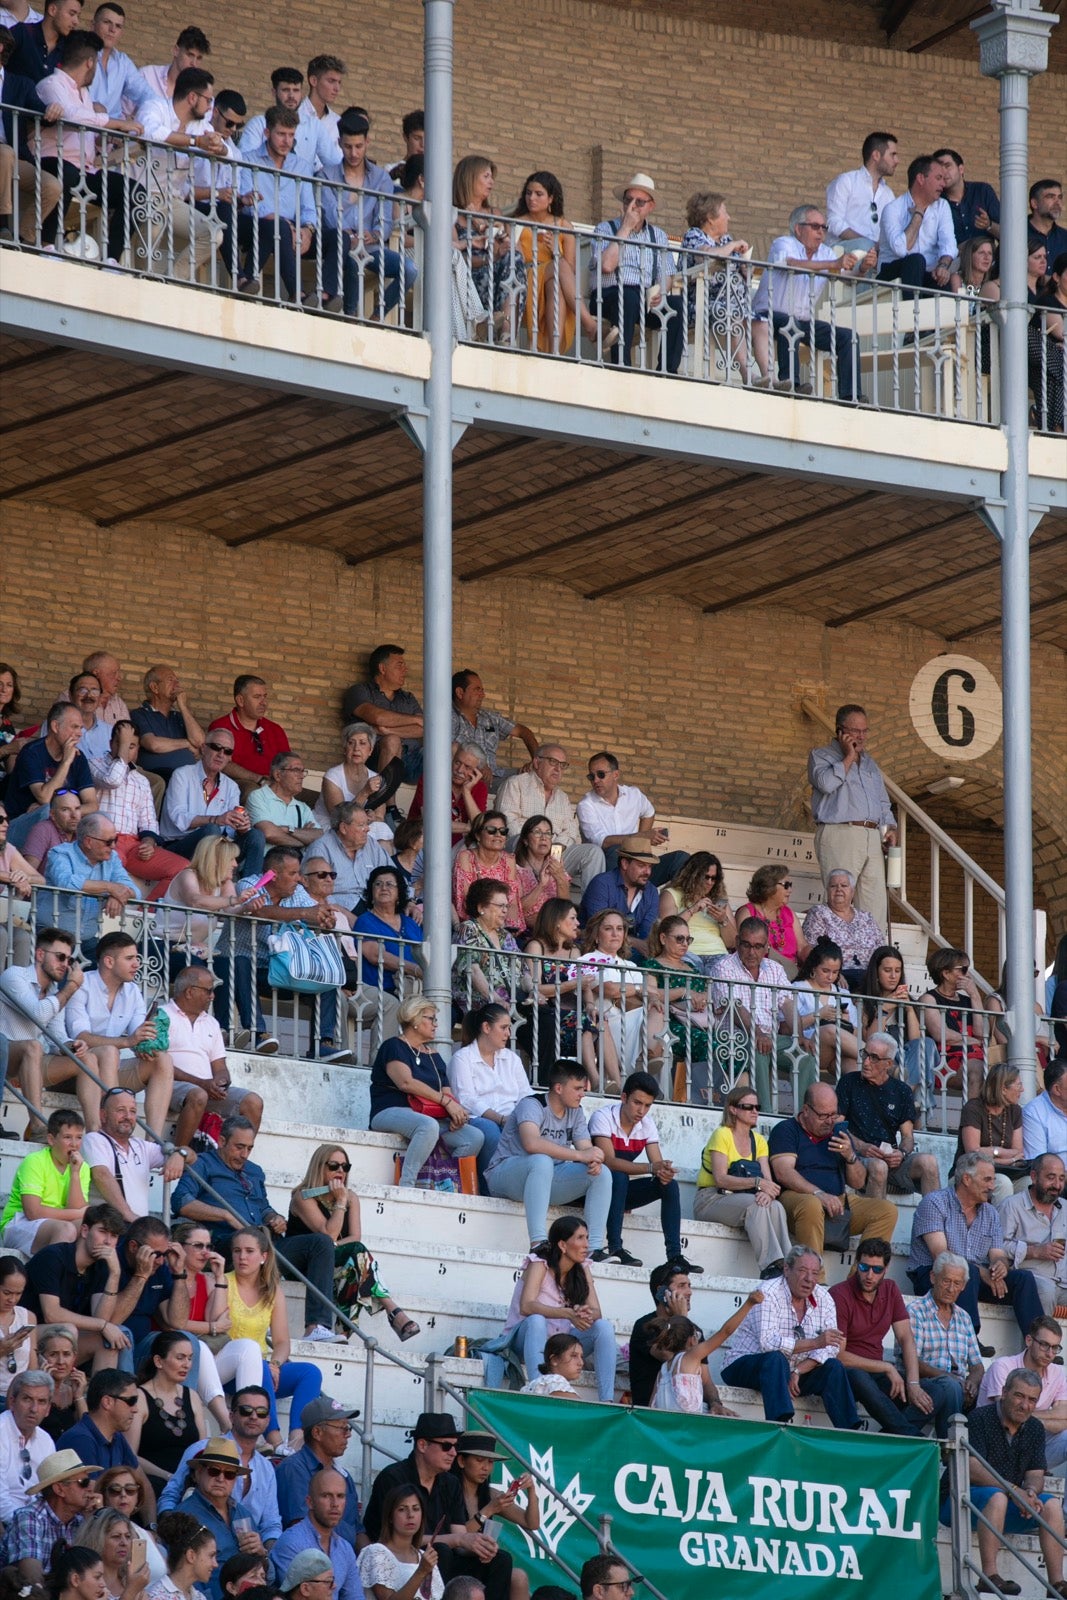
<point x="437" y="511"/>
<point x="1013" y="40"/>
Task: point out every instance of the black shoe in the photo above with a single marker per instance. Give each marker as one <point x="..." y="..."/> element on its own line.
<point x="9" y="1133"/>
<point x="773" y="1271"/>
<point x="625" y="1259"/>
<point x="603" y="1254"/>
<point x="683" y="1265"/>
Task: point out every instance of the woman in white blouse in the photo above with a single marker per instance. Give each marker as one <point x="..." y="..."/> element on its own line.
<point x="487" y="1077"/>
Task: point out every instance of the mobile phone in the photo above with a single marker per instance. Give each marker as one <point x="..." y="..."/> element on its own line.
<point x="840" y="1130"/>
<point x="138" y="1554"/>
<point x="666" y="832"/>
<point x="313" y="1194"/>
<point x="556" y="852"/>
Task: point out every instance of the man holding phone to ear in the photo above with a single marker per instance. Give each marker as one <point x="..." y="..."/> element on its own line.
<point x="852" y="812"/>
<point x="672" y="1292"/>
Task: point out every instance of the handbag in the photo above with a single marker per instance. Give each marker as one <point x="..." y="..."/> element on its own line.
<point x="309" y="963"/>
<point x="160" y="1040"/>
<point x="745" y="1169"/>
<point x="427" y="1108"/>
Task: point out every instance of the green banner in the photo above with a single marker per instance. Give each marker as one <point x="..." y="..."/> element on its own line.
<point x="707" y="1505"/>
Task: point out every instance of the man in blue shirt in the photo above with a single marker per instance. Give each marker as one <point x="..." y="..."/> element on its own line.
<point x="242" y="1185"/>
<point x="975" y="207"/>
<point x="99" y="1438"/>
<point x="285" y="209"/>
<point x="322" y="1530"/>
<point x="327" y="1428"/>
<point x="44" y="767"/>
<point x="91" y="866"/>
<point x="249" y="1415"/>
<point x="629" y="890"/>
<point x="119" y="86"/>
<point x="153" y="1285"/>
<point x="217" y="1501"/>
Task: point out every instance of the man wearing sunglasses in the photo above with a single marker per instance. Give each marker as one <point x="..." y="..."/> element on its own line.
<point x="605" y="1577"/>
<point x="855" y="200"/>
<point x="57" y="1508"/>
<point x="257" y="740"/>
<point x="327" y="1428"/>
<point x="227" y="186"/>
<point x="201" y="802"/>
<point x="91" y="867"/>
<point x="99" y="1438"/>
<point x="868" y="1304"/>
<point x="1041" y="1354"/>
<point x="249" y="1415"/>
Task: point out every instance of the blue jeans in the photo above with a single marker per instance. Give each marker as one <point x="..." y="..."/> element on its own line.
<point x="387" y="264"/>
<point x="871" y="1390"/>
<point x="422" y="1133"/>
<point x="1022" y="1295"/>
<point x="816" y="337"/>
<point x="327" y="1023"/>
<point x="768" y="1371"/>
<point x="490" y="1132"/>
<point x="528" y="1342"/>
<point x="540" y="1181"/>
<point x="629" y="1193"/>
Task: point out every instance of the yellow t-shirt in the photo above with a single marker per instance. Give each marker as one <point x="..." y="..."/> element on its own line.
<point x="248" y="1322"/>
<point x="707" y="935"/>
<point x="723" y="1140"/>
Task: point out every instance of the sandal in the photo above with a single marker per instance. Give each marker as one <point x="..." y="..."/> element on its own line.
<point x="406" y="1329"/>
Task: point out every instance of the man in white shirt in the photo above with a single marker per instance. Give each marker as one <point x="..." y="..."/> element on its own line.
<point x="24" y="1444"/>
<point x="202" y="801"/>
<point x="228" y="187"/>
<point x="796" y="294"/>
<point x="201" y="1075"/>
<point x="179" y="240"/>
<point x="614" y="811"/>
<point x="120" y="1163"/>
<point x="537" y="793"/>
<point x="109" y="1014"/>
<point x="18" y="11"/>
<point x="119" y="85"/>
<point x="855" y="200"/>
<point x="44" y="991"/>
<point x="190" y="48"/>
<point x="76" y="163"/>
<point x="317" y="139"/>
<point x="917" y="241"/>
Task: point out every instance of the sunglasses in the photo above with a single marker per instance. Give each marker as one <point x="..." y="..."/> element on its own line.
<point x="253" y="1411"/>
<point x="495" y="830"/>
<point x="320" y="874"/>
<point x="229" y="1473"/>
<point x="234" y="124"/>
<point x="125" y="1399"/>
<point x="787" y="883"/>
<point x="681" y="938"/>
<point x="870" y="1266"/>
<point x="220" y="749"/>
<point x="748" y="1105"/>
<point x="257" y="741"/>
<point x="593" y="775"/>
<point x="338" y="1166"/>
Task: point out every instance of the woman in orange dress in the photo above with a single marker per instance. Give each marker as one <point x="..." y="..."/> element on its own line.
<point x="549" y="249"/>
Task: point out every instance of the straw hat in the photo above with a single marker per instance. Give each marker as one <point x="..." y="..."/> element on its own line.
<point x="58" y="1468"/>
<point x="640" y="180"/>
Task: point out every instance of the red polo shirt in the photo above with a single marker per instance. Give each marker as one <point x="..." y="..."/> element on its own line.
<point x="256" y="749"/>
<point x="866" y="1323"/>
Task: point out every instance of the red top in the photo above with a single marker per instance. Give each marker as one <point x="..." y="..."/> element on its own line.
<point x="256" y="749"/>
<point x="865" y="1324"/>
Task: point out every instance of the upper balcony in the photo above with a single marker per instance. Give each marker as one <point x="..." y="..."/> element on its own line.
<point x="694" y="479"/>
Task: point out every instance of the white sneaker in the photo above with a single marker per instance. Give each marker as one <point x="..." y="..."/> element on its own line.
<point x="321" y="1335"/>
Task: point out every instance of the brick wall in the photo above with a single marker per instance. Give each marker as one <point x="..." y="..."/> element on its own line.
<point x="702" y="711"/>
<point x="600" y="89"/>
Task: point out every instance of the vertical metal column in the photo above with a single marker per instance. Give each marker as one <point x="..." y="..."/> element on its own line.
<point x="437" y="509"/>
<point x="1013" y="39"/>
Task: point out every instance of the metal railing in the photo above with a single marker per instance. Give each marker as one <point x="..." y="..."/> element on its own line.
<point x="232" y="225"/>
<point x="966" y="1572"/>
<point x="698" y="1033"/>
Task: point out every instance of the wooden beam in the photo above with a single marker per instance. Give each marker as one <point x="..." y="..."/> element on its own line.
<point x="984" y="627"/>
<point x="946" y="33"/>
<point x="33" y="358"/>
<point x="834" y="564"/>
<point x="350" y="502"/>
<point x="194" y="488"/>
<point x="84" y="404"/>
<point x="588" y="535"/>
<point x="936" y="585"/>
<point x="894" y="14"/>
<point x="85" y="469"/>
<point x="684" y="563"/>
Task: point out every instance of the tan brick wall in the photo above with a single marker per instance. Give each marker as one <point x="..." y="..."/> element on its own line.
<point x="582" y="88"/>
<point x="703" y="712"/>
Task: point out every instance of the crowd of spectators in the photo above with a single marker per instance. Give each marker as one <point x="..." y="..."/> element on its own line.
<point x="127" y="1343"/>
<point x="293" y="187"/>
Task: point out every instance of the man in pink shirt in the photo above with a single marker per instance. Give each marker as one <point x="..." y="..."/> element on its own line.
<point x="76" y="162"/>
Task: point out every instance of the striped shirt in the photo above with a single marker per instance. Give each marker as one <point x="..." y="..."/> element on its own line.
<point x="953" y="1349"/>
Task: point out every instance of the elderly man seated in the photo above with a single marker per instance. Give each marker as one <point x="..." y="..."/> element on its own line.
<point x="109" y="1015"/>
<point x="126" y="799"/>
<point x="24" y="1444"/>
<point x="537" y="793"/>
<point x="815" y="1162"/>
<point x="121" y="1163"/>
<point x="170" y="735"/>
<point x="754" y="1008"/>
<point x="960" y="1218"/>
<point x="90" y="866"/>
<point x="1009" y="1442"/>
<point x="950" y="1361"/>
<point x="880" y="1112"/>
<point x="1035" y="1230"/>
<point x="198" y="1053"/>
<point x="1041" y="1354"/>
<point x="855" y="932"/>
<point x="629" y="272"/>
<point x="800" y="262"/>
<point x="788" y="1346"/>
<point x="43" y="767"/>
<point x="84" y="692"/>
<point x="203" y="802"/>
<point x="350" y="852"/>
<point x="276" y="809"/>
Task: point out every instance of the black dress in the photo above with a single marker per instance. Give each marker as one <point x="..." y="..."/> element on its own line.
<point x="167" y="1435"/>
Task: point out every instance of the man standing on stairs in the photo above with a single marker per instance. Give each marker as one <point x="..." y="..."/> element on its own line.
<point x="852" y="812"/>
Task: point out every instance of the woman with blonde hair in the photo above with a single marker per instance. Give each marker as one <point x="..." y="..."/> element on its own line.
<point x="110" y="1535"/>
<point x="207" y="885"/>
<point x="630" y="1001"/>
<point x="486" y="243"/>
<point x="410" y="1093"/>
<point x="257" y="1307"/>
<point x="735" y="1185"/>
<point x="323" y="1203"/>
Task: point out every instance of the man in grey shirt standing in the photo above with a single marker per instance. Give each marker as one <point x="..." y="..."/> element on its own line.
<point x="852" y="811"/>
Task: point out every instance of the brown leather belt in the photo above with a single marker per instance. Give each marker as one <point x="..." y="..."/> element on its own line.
<point x="864" y="824"/>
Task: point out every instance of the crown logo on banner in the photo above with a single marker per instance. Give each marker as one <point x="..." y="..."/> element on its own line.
<point x="560" y="1508"/>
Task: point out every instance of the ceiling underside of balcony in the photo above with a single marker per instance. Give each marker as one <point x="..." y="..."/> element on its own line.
<point x="124" y="443"/>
